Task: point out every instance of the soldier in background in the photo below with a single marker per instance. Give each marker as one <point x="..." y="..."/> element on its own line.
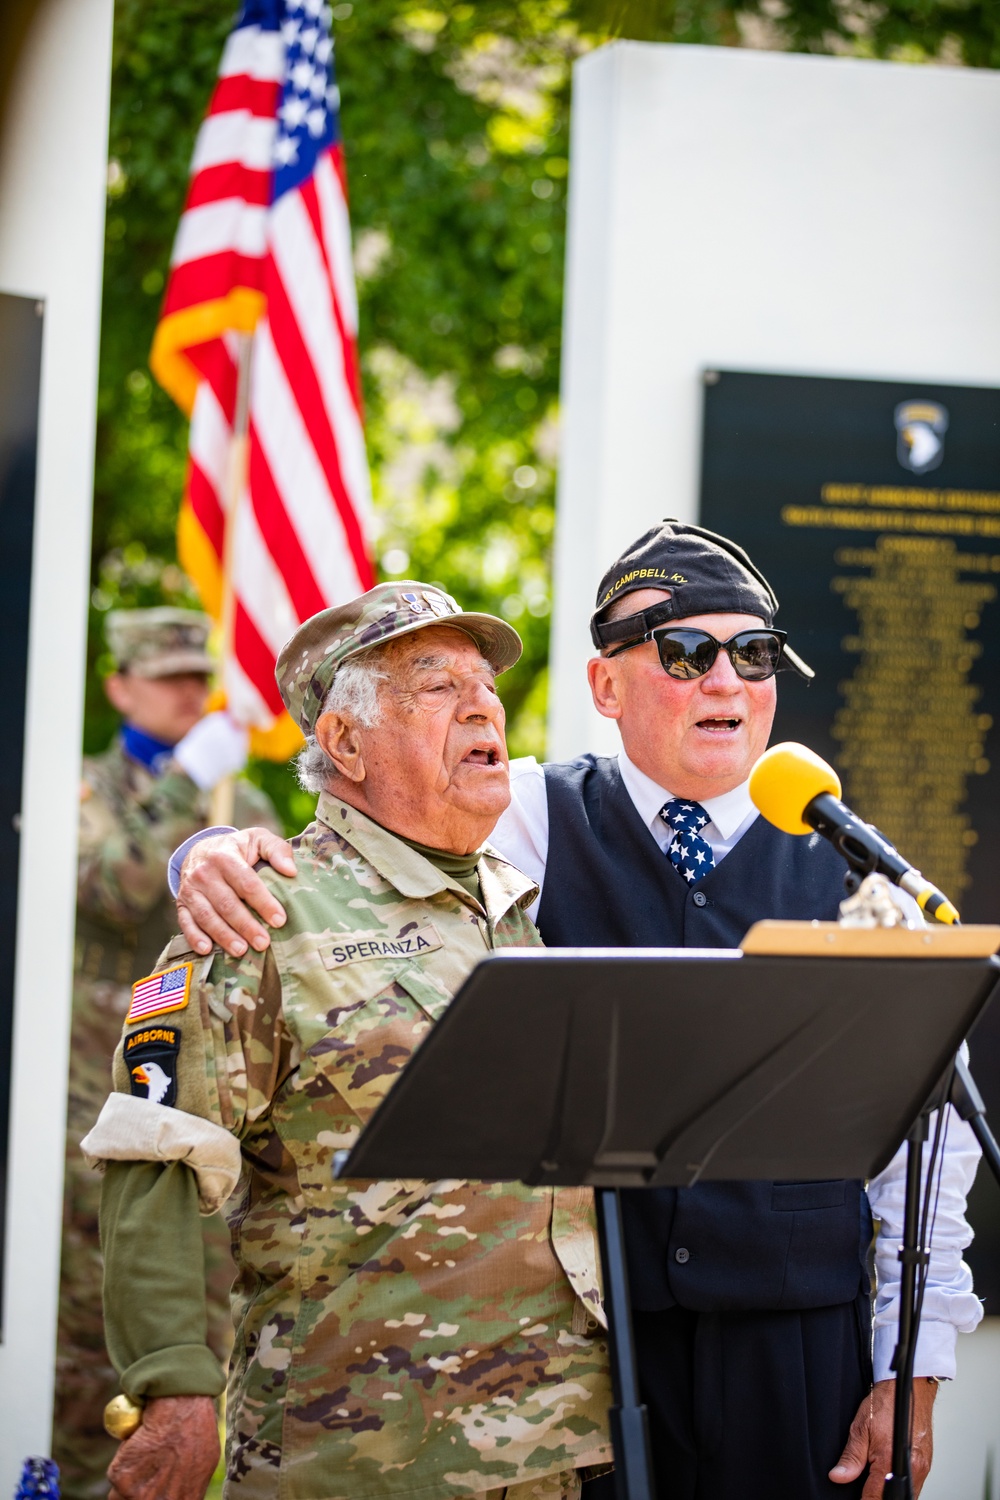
<point x="149" y="789"/>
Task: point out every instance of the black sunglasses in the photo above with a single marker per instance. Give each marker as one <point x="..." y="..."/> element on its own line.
<point x="755" y="654"/>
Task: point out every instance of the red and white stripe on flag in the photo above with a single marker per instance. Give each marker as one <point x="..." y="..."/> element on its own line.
<point x="263" y="248"/>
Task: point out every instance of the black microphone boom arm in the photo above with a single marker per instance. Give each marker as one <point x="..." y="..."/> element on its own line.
<point x="868" y="852"/>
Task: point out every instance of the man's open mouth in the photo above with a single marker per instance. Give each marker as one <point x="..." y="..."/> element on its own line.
<point x="489" y="757"/>
<point x="719" y="725"/>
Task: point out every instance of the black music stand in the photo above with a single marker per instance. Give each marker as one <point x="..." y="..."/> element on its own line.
<point x="661" y="1067"/>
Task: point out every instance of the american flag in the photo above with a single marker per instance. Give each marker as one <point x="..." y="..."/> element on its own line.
<point x="263" y="247"/>
<point x="160" y="993"/>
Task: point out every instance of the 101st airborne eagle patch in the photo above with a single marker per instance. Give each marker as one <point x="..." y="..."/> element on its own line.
<point x="151" y="1059"/>
<point x="170" y="989"/>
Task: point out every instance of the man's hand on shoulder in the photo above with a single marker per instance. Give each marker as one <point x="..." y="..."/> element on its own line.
<point x="870" y="1439"/>
<point x="172" y="1455"/>
<point x="220" y="891"/>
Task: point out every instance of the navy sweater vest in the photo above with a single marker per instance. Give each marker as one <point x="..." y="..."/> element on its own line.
<point x="718" y="1246"/>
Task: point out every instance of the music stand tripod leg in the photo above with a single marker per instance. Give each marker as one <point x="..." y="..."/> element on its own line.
<point x="898" y="1484"/>
<point x="968" y="1104"/>
<point x="628" y="1417"/>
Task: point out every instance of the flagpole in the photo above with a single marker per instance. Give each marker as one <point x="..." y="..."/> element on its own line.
<point x="224" y="792"/>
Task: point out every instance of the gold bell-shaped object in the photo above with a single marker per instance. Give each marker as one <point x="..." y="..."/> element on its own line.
<point x="122" y="1416"/>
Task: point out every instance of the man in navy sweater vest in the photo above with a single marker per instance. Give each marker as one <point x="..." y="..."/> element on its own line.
<point x="751" y="1300"/>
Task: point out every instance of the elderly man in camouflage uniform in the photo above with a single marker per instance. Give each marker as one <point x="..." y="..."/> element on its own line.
<point x="393" y="1338"/>
<point x="149" y="787"/>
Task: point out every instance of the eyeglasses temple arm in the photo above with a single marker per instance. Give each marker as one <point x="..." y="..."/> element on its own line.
<point x="796" y="663"/>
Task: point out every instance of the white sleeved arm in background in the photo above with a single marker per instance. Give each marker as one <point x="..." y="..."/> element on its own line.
<point x="522" y="834"/>
<point x="950" y="1304"/>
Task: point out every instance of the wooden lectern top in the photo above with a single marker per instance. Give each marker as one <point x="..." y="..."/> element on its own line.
<point x="833" y="940"/>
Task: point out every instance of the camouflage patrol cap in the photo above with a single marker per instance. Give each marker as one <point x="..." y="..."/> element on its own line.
<point x="308" y="662"/>
<point x="159" y="642"/>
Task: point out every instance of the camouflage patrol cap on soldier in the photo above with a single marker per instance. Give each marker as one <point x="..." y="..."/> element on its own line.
<point x="159" y="642"/>
<point x="309" y="661"/>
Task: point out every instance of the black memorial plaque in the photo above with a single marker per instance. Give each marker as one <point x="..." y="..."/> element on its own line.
<point x="874" y="509"/>
<point x="20" y="377"/>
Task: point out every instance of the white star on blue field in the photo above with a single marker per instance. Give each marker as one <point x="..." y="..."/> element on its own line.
<point x="693" y="857"/>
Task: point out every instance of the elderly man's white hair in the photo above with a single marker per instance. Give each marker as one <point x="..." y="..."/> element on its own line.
<point x="355" y="691"/>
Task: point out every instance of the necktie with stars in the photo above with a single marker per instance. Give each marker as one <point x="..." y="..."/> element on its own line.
<point x="690" y="854"/>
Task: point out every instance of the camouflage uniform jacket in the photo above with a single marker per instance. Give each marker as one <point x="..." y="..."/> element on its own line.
<point x="130" y="822"/>
<point x="392" y="1337"/>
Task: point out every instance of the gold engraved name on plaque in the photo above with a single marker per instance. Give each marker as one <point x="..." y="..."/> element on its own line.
<point x="909" y="727"/>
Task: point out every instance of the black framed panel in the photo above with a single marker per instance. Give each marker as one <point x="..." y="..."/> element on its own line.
<point x="874" y="509"/>
<point x="21" y="320"/>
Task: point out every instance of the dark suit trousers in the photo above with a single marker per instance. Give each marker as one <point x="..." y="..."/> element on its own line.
<point x="755" y="1405"/>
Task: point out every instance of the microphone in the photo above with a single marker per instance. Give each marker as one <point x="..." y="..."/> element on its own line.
<point x="798" y="792"/>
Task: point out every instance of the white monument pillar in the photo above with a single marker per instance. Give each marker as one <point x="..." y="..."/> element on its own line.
<point x="53" y="166"/>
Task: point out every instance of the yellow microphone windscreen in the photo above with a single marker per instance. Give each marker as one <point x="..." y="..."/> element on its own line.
<point x="785" y="780"/>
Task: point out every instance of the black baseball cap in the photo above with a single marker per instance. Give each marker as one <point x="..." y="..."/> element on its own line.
<point x="698" y="572"/>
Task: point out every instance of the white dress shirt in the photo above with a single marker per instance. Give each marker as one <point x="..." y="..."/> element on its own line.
<point x="522" y="834"/>
<point x="950" y="1305"/>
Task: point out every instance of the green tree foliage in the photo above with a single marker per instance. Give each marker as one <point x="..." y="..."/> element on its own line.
<point x="456" y="121"/>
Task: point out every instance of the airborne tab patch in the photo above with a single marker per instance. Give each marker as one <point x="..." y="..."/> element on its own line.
<point x="151" y="1059"/>
<point x="159" y="993"/>
<point x="410" y="942"/>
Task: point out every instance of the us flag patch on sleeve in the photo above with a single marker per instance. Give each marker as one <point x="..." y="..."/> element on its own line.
<point x="160" y="993"/>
